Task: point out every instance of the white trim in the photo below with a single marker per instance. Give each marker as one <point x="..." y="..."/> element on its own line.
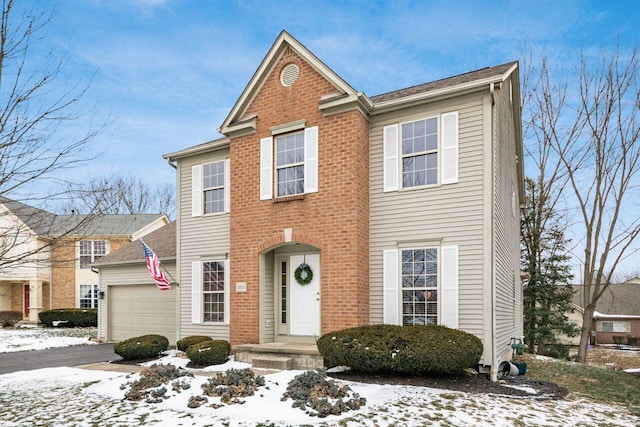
<point x="449" y="156"/>
<point x="196" y="190"/>
<point x="266" y="168"/>
<point x="227" y="292"/>
<point x="311" y="160"/>
<point x="196" y="292"/>
<point x="391" y="165"/>
<point x="449" y="290"/>
<point x="227" y="185"/>
<point x="391" y="291"/>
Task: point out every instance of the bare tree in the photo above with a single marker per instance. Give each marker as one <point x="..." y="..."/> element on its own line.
<point x="603" y="167"/>
<point x="122" y="194"/>
<point x="37" y="102"/>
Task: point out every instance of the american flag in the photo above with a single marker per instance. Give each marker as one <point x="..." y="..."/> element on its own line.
<point x="153" y="264"/>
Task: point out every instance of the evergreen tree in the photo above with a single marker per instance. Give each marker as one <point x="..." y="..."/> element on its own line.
<point x="547" y="292"/>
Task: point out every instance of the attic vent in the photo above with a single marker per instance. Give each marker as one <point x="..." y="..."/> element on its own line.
<point x="289" y="75"/>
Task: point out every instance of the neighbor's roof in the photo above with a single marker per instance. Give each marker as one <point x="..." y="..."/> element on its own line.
<point x="162" y="242"/>
<point x="47" y="224"/>
<point x="618" y="299"/>
<point x="489" y="73"/>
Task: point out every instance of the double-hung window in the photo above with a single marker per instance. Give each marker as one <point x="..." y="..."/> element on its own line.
<point x="290" y="164"/>
<point x="613" y="326"/>
<point x="419" y="286"/>
<point x="289" y="161"/>
<point x="88" y="296"/>
<point x="210" y="291"/>
<point x="210" y="188"/>
<point x="213" y="187"/>
<point x="213" y="292"/>
<point x="91" y="251"/>
<point x="420" y="153"/>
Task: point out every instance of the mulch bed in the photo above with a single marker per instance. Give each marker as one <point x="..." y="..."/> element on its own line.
<point x="467" y="383"/>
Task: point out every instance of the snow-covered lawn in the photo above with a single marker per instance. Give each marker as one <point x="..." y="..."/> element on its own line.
<point x="41" y="338"/>
<point x="77" y="397"/>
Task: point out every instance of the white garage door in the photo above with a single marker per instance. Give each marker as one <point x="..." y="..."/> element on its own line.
<point x="136" y="310"/>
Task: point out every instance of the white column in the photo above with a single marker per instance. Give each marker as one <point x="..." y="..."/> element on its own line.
<point x="35" y="299"/>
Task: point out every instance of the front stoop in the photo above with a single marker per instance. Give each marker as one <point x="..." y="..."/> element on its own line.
<point x="282" y="356"/>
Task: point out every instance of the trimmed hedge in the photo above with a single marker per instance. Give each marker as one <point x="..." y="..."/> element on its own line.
<point x="10" y="318"/>
<point x="214" y="352"/>
<point x="415" y="349"/>
<point x="187" y="342"/>
<point x="70" y="317"/>
<point x="143" y="347"/>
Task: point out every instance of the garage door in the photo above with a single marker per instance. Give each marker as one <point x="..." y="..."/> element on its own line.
<point x="139" y="310"/>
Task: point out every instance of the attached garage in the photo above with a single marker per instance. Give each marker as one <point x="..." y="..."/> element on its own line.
<point x="136" y="310"/>
<point x="130" y="304"/>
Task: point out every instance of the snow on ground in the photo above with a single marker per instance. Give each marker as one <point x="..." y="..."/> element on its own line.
<point x="76" y="397"/>
<point x="41" y="338"/>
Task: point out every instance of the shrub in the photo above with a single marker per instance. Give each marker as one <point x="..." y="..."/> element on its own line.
<point x="187" y="342"/>
<point x="415" y="349"/>
<point x="557" y="351"/>
<point x="10" y="318"/>
<point x="142" y="347"/>
<point x="150" y="385"/>
<point x="213" y="352"/>
<point x="70" y="317"/>
<point x="232" y="384"/>
<point x="313" y="390"/>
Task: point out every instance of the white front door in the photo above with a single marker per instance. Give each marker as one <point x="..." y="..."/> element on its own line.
<point x="305" y="299"/>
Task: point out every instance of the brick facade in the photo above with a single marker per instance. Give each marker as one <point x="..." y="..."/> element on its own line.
<point x="334" y="220"/>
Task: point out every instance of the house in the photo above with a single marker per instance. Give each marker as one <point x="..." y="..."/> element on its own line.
<point x="322" y="208"/>
<point x="46" y="257"/>
<point x="617" y="315"/>
<point x="130" y="304"/>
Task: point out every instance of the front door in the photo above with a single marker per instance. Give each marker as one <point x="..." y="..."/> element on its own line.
<point x="303" y="302"/>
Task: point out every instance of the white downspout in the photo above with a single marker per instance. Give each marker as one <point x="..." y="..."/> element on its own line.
<point x="495" y="362"/>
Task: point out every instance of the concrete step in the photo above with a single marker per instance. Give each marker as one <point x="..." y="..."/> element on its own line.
<point x="272" y="362"/>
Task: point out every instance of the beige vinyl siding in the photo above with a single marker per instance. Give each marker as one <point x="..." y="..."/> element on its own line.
<point x="123" y="275"/>
<point x="451" y="213"/>
<point x="507" y="284"/>
<point x="267" y="301"/>
<point x="199" y="239"/>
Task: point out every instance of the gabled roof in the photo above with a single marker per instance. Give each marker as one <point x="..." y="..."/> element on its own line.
<point x="480" y="77"/>
<point x="617" y="299"/>
<point x="162" y="242"/>
<point x="47" y="224"/>
<point x="284" y="41"/>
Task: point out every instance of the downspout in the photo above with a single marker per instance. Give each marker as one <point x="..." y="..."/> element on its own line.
<point x="495" y="361"/>
<point x="172" y="164"/>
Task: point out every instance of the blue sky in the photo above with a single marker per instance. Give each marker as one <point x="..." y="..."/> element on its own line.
<point x="167" y="72"/>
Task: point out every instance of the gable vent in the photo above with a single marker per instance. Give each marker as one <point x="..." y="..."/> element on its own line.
<point x="289" y="75"/>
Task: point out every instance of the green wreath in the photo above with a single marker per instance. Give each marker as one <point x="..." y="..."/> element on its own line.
<point x="303" y="274"/>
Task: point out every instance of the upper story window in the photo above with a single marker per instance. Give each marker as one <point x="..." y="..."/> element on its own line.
<point x="91" y="250"/>
<point x="290" y="164"/>
<point x="289" y="161"/>
<point x="420" y="153"/>
<point x="210" y="186"/>
<point x="213" y="187"/>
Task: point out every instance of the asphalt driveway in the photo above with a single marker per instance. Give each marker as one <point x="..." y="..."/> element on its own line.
<point x="56" y="357"/>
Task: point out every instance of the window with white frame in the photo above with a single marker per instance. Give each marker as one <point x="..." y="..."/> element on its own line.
<point x="289" y="161"/>
<point x="290" y="164"/>
<point x="91" y="251"/>
<point x="213" y="292"/>
<point x="613" y="326"/>
<point x="420" y="153"/>
<point x="213" y="187"/>
<point x="88" y="296"/>
<point x="419" y="286"/>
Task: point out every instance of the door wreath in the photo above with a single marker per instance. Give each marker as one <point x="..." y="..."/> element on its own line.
<point x="303" y="274"/>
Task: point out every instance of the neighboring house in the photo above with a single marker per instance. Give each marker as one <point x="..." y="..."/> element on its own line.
<point x="617" y="314"/>
<point x="322" y="208"/>
<point x="56" y="272"/>
<point x="130" y="304"/>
